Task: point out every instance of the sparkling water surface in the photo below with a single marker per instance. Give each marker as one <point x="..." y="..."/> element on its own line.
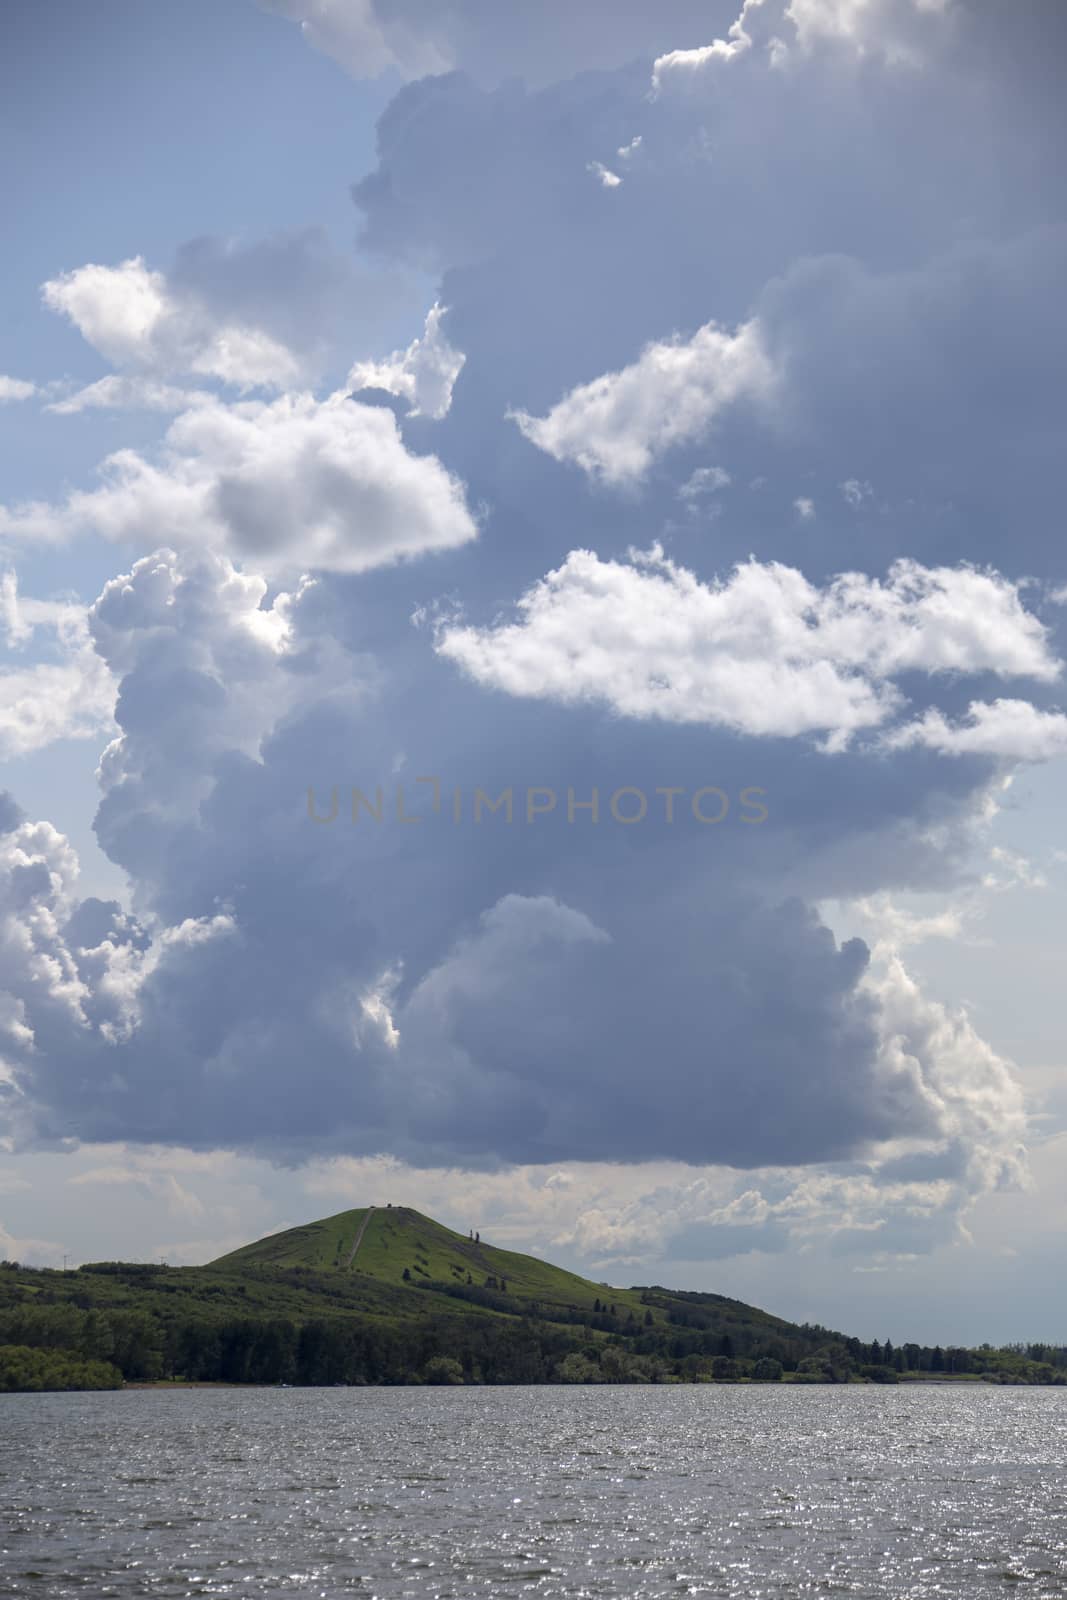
<point x="761" y="1492"/>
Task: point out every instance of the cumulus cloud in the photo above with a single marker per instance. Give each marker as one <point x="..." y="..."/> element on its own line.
<point x="764" y="652"/>
<point x="264" y="313"/>
<point x="509" y="1015"/>
<point x="686" y="63"/>
<point x="616" y="427"/>
<point x="547" y="994"/>
<point x="424" y="374"/>
<point x="899" y="31"/>
<point x="549" y="40"/>
<point x="193" y="633"/>
<point x="132" y="316"/>
<point x="977" y="1099"/>
<point x="15" y="389"/>
<point x="1012" y="730"/>
<point x="38" y="891"/>
<point x="53" y="685"/>
<point x="903" y="31"/>
<point x="295" y="483"/>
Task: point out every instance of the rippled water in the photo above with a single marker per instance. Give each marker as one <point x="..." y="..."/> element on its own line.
<point x="758" y="1492"/>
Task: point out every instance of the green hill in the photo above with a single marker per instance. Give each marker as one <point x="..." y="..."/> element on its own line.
<point x="385" y="1295"/>
<point x="381" y="1243"/>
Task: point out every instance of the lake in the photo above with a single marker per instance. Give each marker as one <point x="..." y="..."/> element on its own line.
<point x="715" y="1491"/>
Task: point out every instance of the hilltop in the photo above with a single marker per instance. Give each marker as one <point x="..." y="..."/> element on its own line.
<point x="384" y="1294"/>
<point x="397" y="1245"/>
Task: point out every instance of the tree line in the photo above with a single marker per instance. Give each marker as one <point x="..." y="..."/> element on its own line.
<point x="105" y="1345"/>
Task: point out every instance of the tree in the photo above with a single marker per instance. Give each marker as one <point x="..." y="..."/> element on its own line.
<point x="768" y="1370"/>
<point x="442" y="1369"/>
<point x="576" y="1368"/>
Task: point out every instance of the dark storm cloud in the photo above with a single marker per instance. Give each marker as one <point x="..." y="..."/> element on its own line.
<point x="534" y="992"/>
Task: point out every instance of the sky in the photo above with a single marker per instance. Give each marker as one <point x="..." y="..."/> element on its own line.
<point x="532" y="639"/>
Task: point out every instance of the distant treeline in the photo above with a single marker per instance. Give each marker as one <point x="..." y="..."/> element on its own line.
<point x="183" y="1324"/>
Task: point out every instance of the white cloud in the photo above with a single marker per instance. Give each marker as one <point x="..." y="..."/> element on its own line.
<point x="901" y="32"/>
<point x="685" y="64"/>
<point x="1012" y="870"/>
<point x="67" y="695"/>
<point x="38" y="888"/>
<point x="608" y="179"/>
<point x="295" y="483"/>
<point x="365" y="44"/>
<point x="120" y="393"/>
<point x="134" y="318"/>
<point x="541" y="41"/>
<point x="15" y="389"/>
<point x="705" y="480"/>
<point x="976" y="1099"/>
<point x="118" y="310"/>
<point x="210" y="622"/>
<point x="424" y="374"/>
<point x="616" y="427"/>
<point x="890" y="928"/>
<point x="764" y="652"/>
<point x="854" y="492"/>
<point x="804" y="508"/>
<point x="1015" y="730"/>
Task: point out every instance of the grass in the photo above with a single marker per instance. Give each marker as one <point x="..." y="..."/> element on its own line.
<point x="398" y="1238"/>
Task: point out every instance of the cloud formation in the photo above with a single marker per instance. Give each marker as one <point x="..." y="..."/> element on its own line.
<point x="424" y="374"/>
<point x="1013" y="730"/>
<point x="616" y="427"/>
<point x="53" y="685"/>
<point x="763" y="653"/>
<point x="901" y="32"/>
<point x="292" y="484"/>
<point x="15" y="389"/>
<point x="541" y="40"/>
<point x="800" y="263"/>
<point x="133" y="317"/>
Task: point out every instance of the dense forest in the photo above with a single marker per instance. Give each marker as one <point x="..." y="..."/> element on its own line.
<point x="111" y="1323"/>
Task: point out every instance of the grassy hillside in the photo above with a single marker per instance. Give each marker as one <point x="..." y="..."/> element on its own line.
<point x="387" y="1295"/>
<point x="395" y="1239"/>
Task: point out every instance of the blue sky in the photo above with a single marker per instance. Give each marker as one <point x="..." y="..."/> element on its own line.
<point x="651" y="415"/>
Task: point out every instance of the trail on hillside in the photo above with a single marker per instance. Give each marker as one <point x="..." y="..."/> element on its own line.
<point x="359" y="1239"/>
